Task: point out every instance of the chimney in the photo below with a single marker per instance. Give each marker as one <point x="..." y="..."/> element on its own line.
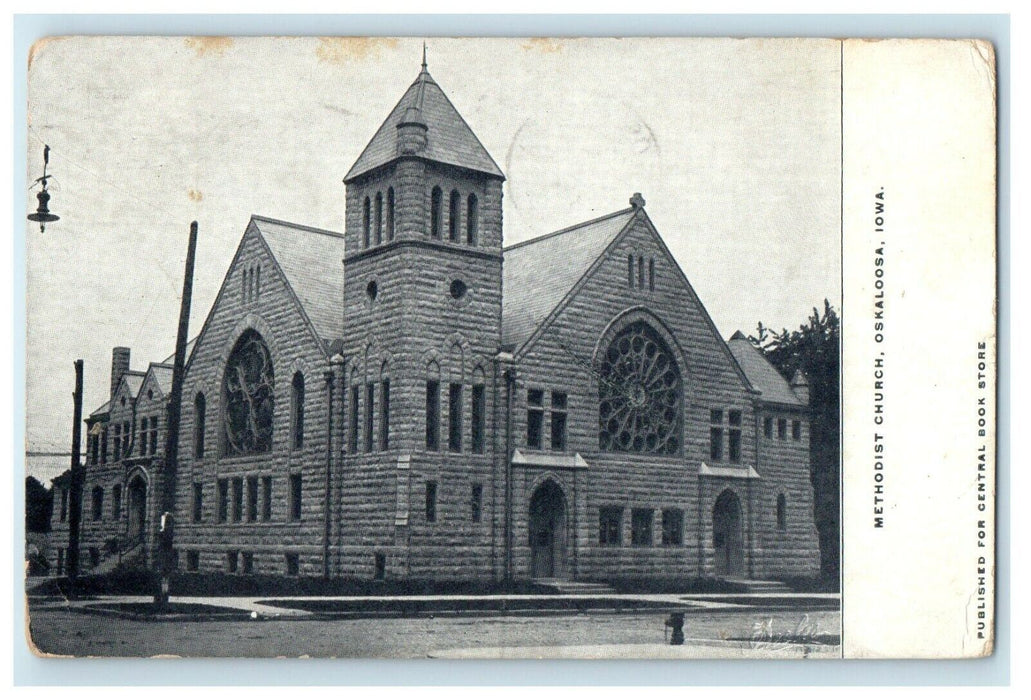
<point x="119" y="366"/>
<point x="800" y="385"/>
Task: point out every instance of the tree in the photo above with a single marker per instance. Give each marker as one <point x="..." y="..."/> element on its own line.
<point x="38" y="502"/>
<point x="815" y="348"/>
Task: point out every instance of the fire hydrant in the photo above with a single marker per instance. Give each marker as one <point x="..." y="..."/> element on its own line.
<point x="676" y="622"/>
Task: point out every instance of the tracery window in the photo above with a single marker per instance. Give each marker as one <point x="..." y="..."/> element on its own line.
<point x="247" y="389"/>
<point x="639" y="386"/>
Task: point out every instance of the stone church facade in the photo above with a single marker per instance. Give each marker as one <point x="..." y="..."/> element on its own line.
<point x="412" y="399"/>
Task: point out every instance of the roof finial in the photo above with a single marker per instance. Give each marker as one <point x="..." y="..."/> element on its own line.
<point x="424" y="56"/>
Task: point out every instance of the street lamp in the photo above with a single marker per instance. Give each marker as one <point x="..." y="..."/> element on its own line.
<point x="42" y="214"/>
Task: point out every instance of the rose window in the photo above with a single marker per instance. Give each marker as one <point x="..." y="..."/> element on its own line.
<point x="639" y="394"/>
<point x="248" y="397"/>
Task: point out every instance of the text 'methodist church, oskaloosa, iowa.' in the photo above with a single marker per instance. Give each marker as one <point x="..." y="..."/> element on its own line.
<point x="410" y="399"/>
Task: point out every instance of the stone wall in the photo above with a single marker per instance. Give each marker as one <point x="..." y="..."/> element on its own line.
<point x="413" y="330"/>
<point x="275" y="314"/>
<point x="558" y="360"/>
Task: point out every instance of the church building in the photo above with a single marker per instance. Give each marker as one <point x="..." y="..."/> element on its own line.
<point x="412" y="399"/>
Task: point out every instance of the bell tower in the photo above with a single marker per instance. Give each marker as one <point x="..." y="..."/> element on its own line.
<point x="423" y="278"/>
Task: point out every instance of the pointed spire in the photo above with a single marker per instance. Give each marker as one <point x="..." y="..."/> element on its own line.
<point x="424" y="121"/>
<point x="411" y="130"/>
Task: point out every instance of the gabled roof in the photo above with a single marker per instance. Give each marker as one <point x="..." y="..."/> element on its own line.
<point x="539" y="273"/>
<point x="162" y="376"/>
<point x="134" y="380"/>
<point x="763" y="376"/>
<point x="448" y="138"/>
<point x="312" y="261"/>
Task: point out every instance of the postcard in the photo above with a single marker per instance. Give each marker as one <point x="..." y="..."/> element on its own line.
<point x="510" y="348"/>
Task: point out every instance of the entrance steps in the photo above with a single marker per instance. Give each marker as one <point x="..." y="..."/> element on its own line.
<point x="565" y="587"/>
<point x="757" y="586"/>
<point x="132" y="555"/>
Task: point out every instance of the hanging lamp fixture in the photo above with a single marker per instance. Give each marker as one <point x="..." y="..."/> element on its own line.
<point x="42" y="213"/>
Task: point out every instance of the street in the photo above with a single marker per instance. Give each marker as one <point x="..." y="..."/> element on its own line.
<point x="57" y="630"/>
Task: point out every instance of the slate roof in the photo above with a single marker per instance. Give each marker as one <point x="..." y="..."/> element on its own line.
<point x="761" y="374"/>
<point x="163" y="376"/>
<point x="103" y="409"/>
<point x="312" y="260"/>
<point x="448" y="138"/>
<point x="134" y="380"/>
<point x="539" y="273"/>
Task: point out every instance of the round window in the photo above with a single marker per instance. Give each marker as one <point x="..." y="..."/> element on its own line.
<point x="458" y="289"/>
<point x="640" y="394"/>
<point x="371" y="290"/>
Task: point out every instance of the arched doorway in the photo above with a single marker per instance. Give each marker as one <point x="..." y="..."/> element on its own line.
<point x="548" y="531"/>
<point x="727" y="540"/>
<point x="137" y="510"/>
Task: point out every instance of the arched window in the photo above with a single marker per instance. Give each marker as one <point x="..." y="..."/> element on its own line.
<point x="200" y="409"/>
<point x="98" y="503"/>
<point x="640" y="272"/>
<point x="651" y="274"/>
<point x="472" y="220"/>
<point x="379" y="218"/>
<point x="630" y="271"/>
<point x="366" y="223"/>
<point x="454" y="215"/>
<point x="436" y="212"/>
<point x="640" y="394"/>
<point x="248" y="397"/>
<point x="782" y="512"/>
<point x="297" y="411"/>
<point x="384" y="407"/>
<point x="433" y="407"/>
<point x="390" y="214"/>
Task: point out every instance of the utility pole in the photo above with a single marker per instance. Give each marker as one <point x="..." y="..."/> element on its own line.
<point x="165" y="563"/>
<point x="75" y="516"/>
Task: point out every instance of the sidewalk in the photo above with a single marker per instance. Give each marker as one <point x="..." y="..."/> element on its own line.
<point x="300" y="607"/>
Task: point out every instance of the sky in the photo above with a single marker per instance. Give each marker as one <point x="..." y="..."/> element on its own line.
<point x="733" y="143"/>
